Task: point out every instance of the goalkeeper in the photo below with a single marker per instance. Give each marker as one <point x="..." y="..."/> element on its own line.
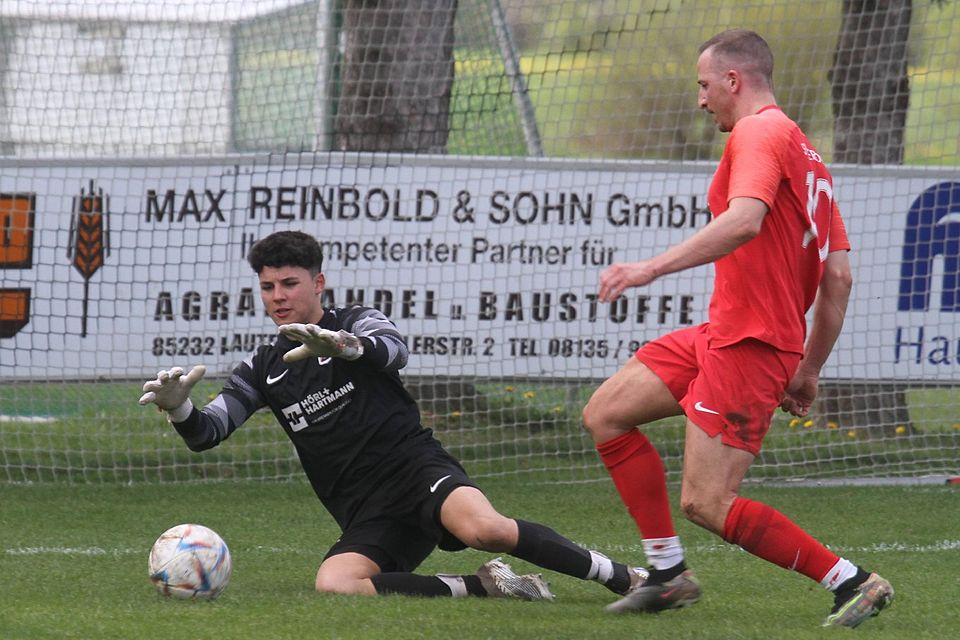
<point x="331" y="379"/>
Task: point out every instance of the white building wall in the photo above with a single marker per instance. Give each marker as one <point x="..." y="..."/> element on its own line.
<point x="108" y="88"/>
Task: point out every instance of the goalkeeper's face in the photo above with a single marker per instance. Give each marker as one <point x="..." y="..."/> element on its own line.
<point x="291" y="294"/>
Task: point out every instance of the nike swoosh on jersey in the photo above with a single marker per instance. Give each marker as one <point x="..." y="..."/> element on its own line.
<point x="436" y="484"/>
<point x="274" y="380"/>
<point x="699" y="407"/>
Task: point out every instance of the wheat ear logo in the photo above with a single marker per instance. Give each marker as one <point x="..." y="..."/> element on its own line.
<point x="89" y="239"/>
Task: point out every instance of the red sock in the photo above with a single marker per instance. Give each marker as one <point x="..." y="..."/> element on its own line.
<point x="768" y="534"/>
<point x="637" y="472"/>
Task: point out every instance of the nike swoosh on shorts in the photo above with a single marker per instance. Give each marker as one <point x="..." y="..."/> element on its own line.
<point x="699" y="407"/>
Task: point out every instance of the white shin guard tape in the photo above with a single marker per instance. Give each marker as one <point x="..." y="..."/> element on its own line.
<point x="601" y="567"/>
<point x="458" y="588"/>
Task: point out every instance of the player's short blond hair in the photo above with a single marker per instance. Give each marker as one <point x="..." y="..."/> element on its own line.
<point x="743" y="50"/>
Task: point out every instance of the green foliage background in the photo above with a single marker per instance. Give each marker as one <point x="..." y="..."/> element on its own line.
<point x="617" y="78"/>
<point x="609" y="78"/>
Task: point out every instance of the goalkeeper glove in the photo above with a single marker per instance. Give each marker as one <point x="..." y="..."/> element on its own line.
<point x="171" y="391"/>
<point x="320" y="343"/>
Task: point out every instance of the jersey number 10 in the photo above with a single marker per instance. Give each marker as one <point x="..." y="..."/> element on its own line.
<point x="816" y="187"/>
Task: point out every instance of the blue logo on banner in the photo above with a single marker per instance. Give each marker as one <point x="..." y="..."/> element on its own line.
<point x="933" y="229"/>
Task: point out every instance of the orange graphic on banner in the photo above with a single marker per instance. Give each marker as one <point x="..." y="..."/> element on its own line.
<point x="16" y="230"/>
<point x="88" y="240"/>
<point x="16" y="252"/>
<point x="88" y="251"/>
<point x="14" y="311"/>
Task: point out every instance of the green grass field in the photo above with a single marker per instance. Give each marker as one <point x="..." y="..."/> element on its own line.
<point x="73" y="564"/>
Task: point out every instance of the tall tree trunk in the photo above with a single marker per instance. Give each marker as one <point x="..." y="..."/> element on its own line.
<point x="397" y="75"/>
<point x="871" y="94"/>
<point x="395" y="85"/>
<point x="870" y="86"/>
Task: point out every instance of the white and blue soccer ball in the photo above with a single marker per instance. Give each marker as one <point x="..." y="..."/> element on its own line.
<point x="190" y="561"/>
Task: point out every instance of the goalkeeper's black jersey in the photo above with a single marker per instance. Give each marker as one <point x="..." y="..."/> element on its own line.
<point x="351" y="422"/>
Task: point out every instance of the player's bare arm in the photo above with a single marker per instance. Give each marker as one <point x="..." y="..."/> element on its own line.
<point x="829" y="310"/>
<point x="740" y="223"/>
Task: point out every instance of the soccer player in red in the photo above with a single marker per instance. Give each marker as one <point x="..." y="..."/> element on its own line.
<point x="778" y="246"/>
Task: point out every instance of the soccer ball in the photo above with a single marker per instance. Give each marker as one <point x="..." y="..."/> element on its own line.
<point x="190" y="561"/>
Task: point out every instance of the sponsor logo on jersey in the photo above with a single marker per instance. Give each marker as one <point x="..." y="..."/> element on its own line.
<point x="317" y="406"/>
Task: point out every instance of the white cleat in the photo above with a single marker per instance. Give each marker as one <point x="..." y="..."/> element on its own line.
<point x="499" y="581"/>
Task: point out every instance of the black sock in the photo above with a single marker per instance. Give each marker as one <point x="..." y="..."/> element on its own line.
<point x="546" y="548"/>
<point x="474" y="586"/>
<point x="660" y="576"/>
<point x="847" y="587"/>
<point x="411" y="584"/>
<point x="620" y="582"/>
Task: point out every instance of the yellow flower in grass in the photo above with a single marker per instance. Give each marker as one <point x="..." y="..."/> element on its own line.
<point x="558" y="409"/>
<point x="793" y="423"/>
<point x="832" y="425"/>
<point x="900" y="429"/>
<point x="529" y="395"/>
<point x="455" y="414"/>
<point x="508" y="389"/>
<point x="808" y="424"/>
<point x="852" y="434"/>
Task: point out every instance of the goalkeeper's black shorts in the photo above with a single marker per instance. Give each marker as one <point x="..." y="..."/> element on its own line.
<point x="398" y="525"/>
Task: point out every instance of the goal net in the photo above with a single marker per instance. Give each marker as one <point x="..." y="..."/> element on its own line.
<point x="470" y="168"/>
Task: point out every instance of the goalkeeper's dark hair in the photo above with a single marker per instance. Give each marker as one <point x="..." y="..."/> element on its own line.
<point x="287" y="249"/>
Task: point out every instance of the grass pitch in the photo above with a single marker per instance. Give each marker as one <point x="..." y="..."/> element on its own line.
<point x="73" y="564"/>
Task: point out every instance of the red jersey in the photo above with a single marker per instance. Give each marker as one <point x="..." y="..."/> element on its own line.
<point x="764" y="288"/>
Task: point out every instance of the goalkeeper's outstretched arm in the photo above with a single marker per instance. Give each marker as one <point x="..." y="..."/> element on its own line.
<point x="368" y="336"/>
<point x="206" y="428"/>
<point x="170" y="391"/>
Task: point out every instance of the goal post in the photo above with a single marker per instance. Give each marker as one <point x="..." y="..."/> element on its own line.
<point x="145" y="149"/>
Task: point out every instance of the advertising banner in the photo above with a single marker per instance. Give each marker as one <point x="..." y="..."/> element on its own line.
<point x="489" y="267"/>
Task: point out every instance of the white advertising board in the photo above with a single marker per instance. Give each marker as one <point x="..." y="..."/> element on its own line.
<point x="489" y="267"/>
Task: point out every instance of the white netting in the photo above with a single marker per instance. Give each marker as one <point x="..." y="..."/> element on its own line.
<point x="470" y="168"/>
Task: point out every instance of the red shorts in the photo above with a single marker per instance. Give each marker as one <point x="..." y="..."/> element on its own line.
<point x="731" y="391"/>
